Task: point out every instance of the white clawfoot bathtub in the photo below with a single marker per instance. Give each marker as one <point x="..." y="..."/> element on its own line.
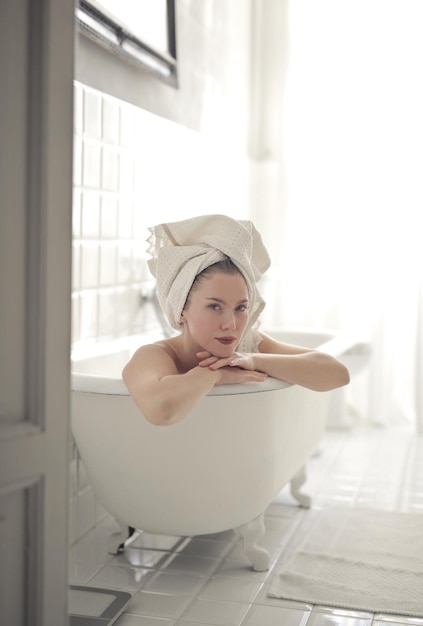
<point x="218" y="469"/>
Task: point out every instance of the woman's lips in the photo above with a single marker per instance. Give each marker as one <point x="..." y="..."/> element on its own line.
<point x="226" y="341"/>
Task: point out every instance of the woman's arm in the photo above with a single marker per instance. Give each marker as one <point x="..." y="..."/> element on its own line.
<point x="309" y="368"/>
<point x="166" y="396"/>
<point x="163" y="395"/>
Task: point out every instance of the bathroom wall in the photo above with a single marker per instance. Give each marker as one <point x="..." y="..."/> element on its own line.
<point x="213" y="53"/>
<point x="133" y="169"/>
<point x="147" y="153"/>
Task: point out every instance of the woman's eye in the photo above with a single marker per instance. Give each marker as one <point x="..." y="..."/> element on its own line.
<point x="242" y="308"/>
<point x="214" y="307"/>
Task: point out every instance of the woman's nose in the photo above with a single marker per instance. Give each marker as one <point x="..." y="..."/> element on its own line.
<point x="228" y="321"/>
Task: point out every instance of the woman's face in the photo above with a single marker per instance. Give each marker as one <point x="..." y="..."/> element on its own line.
<point x="216" y="314"/>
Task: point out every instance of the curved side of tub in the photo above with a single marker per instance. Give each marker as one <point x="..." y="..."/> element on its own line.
<point x="216" y="470"/>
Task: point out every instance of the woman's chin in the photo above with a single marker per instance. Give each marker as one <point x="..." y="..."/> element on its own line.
<point x="223" y="352"/>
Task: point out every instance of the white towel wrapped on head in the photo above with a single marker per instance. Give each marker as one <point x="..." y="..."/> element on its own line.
<point x="182" y="250"/>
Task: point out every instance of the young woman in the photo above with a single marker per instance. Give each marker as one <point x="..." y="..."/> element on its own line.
<point x="206" y="270"/>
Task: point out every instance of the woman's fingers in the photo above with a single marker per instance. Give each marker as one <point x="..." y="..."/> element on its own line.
<point x="233" y="375"/>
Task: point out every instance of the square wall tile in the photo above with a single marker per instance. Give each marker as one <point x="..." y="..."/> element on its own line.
<point x="88" y="314"/>
<point x="77" y="160"/>
<point x="91" y="164"/>
<point x="90" y="214"/>
<point x="92" y="114"/>
<point x="89" y="265"/>
<point x="108" y="262"/>
<point x="128" y="123"/>
<point x="124" y="316"/>
<point x="107" y="312"/>
<point x="125" y="217"/>
<point x="126" y="173"/>
<point x="110" y="168"/>
<point x="141" y="222"/>
<point x="108" y="216"/>
<point x="124" y="262"/>
<point x="110" y="120"/>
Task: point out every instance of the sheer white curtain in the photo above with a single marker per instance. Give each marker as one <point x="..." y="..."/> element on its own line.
<point x="353" y="151"/>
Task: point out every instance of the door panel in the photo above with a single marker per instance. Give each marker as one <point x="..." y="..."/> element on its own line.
<point x="36" y="112"/>
<point x="12" y="555"/>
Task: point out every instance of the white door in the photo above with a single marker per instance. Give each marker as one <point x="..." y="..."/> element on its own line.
<point x="36" y="103"/>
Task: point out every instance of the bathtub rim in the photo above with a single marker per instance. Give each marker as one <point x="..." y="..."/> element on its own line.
<point x="334" y="342"/>
<point x="90" y="383"/>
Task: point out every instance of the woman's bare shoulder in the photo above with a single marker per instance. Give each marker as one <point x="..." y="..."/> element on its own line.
<point x="162" y="348"/>
<point x="151" y="360"/>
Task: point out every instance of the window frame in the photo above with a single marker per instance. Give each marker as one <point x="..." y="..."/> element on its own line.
<point x="105" y="29"/>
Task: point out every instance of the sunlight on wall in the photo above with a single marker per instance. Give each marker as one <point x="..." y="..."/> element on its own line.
<point x="133" y="169"/>
<point x="354" y="154"/>
<point x="152" y="30"/>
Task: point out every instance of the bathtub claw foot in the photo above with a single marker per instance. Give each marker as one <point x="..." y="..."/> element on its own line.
<point x="117" y="540"/>
<point x="297" y="482"/>
<point x="251" y="533"/>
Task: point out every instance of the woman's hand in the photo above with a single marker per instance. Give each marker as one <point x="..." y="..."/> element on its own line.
<point x="235" y="375"/>
<point x="236" y="359"/>
<point x="237" y="368"/>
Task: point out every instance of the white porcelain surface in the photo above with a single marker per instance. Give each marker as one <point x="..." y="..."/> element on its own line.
<point x="158" y="604"/>
<point x="176" y="583"/>
<point x="121" y="577"/>
<point x="259" y="615"/>
<point x="216" y="612"/>
<point x="230" y="588"/>
<point x="192" y="564"/>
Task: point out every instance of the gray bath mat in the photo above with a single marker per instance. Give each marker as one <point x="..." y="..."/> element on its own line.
<point x="359" y="559"/>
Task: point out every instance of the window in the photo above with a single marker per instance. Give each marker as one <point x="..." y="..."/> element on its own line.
<point x="141" y="32"/>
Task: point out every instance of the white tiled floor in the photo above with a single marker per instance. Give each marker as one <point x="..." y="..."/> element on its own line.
<point x="208" y="581"/>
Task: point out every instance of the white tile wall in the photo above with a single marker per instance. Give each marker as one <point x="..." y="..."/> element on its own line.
<point x="103" y="244"/>
<point x="132" y="170"/>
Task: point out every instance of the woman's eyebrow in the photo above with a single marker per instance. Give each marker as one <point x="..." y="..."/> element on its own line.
<point x="220" y="301"/>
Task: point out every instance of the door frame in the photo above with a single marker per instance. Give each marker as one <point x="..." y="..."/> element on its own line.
<point x="36" y="203"/>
